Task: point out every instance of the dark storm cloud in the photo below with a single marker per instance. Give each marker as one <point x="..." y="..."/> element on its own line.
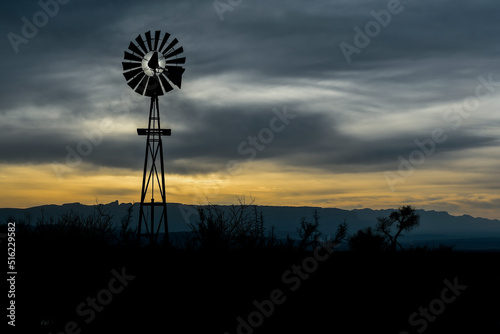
<point x="309" y="140"/>
<point x="431" y="53"/>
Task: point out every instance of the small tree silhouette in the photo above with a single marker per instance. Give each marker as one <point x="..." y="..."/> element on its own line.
<point x="405" y="218"/>
<point x="308" y="232"/>
<point x="310" y="236"/>
<point x="126" y="233"/>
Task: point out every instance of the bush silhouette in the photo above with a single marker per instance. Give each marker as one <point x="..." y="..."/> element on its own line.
<point x="73" y="228"/>
<point x="310" y="236"/>
<point x="367" y="241"/>
<point x="238" y="228"/>
<point x="405" y="219"/>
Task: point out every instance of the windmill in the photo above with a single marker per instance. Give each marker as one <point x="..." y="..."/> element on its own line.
<point x="151" y="67"/>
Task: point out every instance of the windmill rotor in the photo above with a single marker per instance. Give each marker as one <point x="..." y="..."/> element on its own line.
<point x="151" y="65"/>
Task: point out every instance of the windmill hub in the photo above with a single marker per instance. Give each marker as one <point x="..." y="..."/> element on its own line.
<point x="153" y="63"/>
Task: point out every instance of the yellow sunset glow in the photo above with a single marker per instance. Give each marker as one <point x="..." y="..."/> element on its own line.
<point x="32" y="185"/>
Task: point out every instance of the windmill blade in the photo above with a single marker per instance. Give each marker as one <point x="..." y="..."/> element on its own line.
<point x="130" y="66"/>
<point x="175" y="75"/>
<point x="142" y="86"/>
<point x="176" y="61"/>
<point x="171" y="45"/>
<point x="164" y="41"/>
<point x="132" y="47"/>
<point x="135" y="81"/>
<point x="176" y="80"/>
<point x="130" y="74"/>
<point x="167" y="87"/>
<point x="141" y="44"/>
<point x="157" y="39"/>
<point x="174" y="53"/>
<point x="130" y="56"/>
<point x="148" y="40"/>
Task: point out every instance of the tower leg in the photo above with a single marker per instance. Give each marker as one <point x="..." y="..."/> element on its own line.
<point x="151" y="181"/>
<point x="164" y="192"/>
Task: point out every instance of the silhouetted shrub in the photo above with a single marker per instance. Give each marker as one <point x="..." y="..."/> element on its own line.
<point x="367" y="241"/>
<point x="219" y="229"/>
<point x="73" y="228"/>
<point x="237" y="228"/>
<point x="310" y="236"/>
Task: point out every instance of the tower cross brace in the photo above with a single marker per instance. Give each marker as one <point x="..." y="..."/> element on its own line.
<point x="153" y="177"/>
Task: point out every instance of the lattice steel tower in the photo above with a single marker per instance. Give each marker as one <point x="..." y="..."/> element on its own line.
<point x="152" y="68"/>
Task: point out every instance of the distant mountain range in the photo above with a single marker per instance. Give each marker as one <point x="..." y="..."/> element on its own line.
<point x="436" y="227"/>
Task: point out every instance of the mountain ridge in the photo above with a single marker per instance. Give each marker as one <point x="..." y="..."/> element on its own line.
<point x="435" y="226"/>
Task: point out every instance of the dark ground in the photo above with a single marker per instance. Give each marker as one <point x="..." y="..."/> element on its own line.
<point x="205" y="292"/>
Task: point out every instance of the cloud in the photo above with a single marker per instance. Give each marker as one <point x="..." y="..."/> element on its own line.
<point x="357" y="117"/>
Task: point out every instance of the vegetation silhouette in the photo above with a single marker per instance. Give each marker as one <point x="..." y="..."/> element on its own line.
<point x="74" y="228"/>
<point x="367" y="241"/>
<point x="379" y="240"/>
<point x="229" y="260"/>
<point x="405" y="219"/>
<point x="242" y="228"/>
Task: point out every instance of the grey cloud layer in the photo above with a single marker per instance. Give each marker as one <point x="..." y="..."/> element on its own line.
<point x="430" y="54"/>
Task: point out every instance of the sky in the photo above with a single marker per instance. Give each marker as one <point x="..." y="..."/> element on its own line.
<point x="346" y="104"/>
